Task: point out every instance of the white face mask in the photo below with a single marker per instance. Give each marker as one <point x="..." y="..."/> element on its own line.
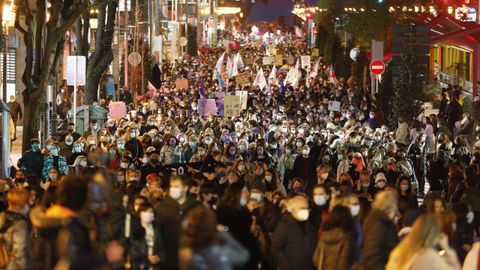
<point x="243" y="202"/>
<point x="53" y="176"/>
<point x="147" y="217"/>
<point x="268" y="178"/>
<point x="302" y="215"/>
<point x="175" y="193"/>
<point x="324" y="175"/>
<point x="83" y="163"/>
<point x="305" y="152"/>
<point x="120" y="178"/>
<point x="256" y="196"/>
<point x="404" y="187"/>
<point x="320" y="200"/>
<point x="354" y="210"/>
<point x="470" y="217"/>
<point x="381" y="184"/>
<point x="124" y="165"/>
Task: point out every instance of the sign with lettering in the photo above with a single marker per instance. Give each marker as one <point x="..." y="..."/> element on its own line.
<point x="117" y="110"/>
<point x="232" y="106"/>
<point x="181" y="84"/>
<point x="207" y="107"/>
<point x="243" y="99"/>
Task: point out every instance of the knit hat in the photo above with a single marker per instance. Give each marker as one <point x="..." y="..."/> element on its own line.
<point x="380" y="176"/>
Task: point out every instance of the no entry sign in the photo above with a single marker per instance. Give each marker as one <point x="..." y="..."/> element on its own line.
<point x="377" y="67"/>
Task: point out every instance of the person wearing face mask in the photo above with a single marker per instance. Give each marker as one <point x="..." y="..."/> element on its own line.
<point x="168" y="150"/>
<point x="133" y="145"/>
<point x="304" y="166"/>
<point x="323" y="178"/>
<point x="380" y="182"/>
<point x="195" y="121"/>
<point x="260" y="155"/>
<point x="54" y="160"/>
<point x="336" y="247"/>
<point x="153" y="164"/>
<point x="32" y="160"/>
<point x="319" y="205"/>
<point x="294" y="239"/>
<point x="407" y="197"/>
<point x="464" y="232"/>
<point x="151" y="249"/>
<point x="66" y="147"/>
<point x="71" y="131"/>
<point x="93" y="130"/>
<point x="170" y="212"/>
<point x="233" y="214"/>
<point x="77" y="151"/>
<point x="16" y="230"/>
<point x="231" y="154"/>
<point x="379" y="230"/>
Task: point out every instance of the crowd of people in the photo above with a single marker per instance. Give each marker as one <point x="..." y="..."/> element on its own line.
<point x="287" y="184"/>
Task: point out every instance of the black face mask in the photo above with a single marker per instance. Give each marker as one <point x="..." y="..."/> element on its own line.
<point x="71" y="129"/>
<point x="154" y="161"/>
<point x="20" y="180"/>
<point x="213" y="201"/>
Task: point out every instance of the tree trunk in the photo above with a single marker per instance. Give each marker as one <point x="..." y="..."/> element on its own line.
<point x="31" y="117"/>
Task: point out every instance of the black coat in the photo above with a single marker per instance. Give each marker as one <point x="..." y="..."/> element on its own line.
<point x="380" y="237"/>
<point x="293" y="244"/>
<point x="239" y="221"/>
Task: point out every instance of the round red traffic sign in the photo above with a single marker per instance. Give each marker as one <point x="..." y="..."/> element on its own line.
<point x="377" y="67"/>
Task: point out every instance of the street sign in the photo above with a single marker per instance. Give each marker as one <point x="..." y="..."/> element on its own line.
<point x="76" y="69"/>
<point x="377" y="67"/>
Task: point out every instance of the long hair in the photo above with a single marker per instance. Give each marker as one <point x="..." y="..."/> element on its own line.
<point x="232" y="195"/>
<point x="340" y="217"/>
<point x="424" y="234"/>
<point x="200" y="229"/>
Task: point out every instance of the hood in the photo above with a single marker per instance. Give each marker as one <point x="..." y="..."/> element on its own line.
<point x="333" y="237"/>
<point x="41" y="220"/>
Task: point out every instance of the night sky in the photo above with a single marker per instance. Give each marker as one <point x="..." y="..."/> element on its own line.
<point x="272" y="10"/>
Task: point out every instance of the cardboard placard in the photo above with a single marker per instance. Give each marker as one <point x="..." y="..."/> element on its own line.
<point x="242" y="79"/>
<point x="315" y="52"/>
<point x="248" y="61"/>
<point x="117" y="110"/>
<point x="305" y="61"/>
<point x="334" y="106"/>
<point x="181" y="84"/>
<point x="290" y="60"/>
<point x="268" y="60"/>
<point x="207" y="107"/>
<point x="243" y="99"/>
<point x="278" y="60"/>
<point x="231" y="106"/>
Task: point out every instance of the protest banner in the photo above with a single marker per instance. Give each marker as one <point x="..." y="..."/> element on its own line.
<point x="117" y="110"/>
<point x="207" y="107"/>
<point x="334" y="106"/>
<point x="268" y="60"/>
<point x="278" y="60"/>
<point x="232" y="106"/>
<point x="242" y="79"/>
<point x="305" y="60"/>
<point x="181" y="84"/>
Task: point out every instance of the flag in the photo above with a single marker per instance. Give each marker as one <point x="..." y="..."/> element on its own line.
<point x="332" y="77"/>
<point x="297" y="64"/>
<point x="260" y="80"/>
<point x="221" y="83"/>
<point x="284" y="68"/>
<point x="272" y="78"/>
<point x="229" y="66"/>
<point x="219" y="65"/>
<point x="239" y="61"/>
<point x="202" y="57"/>
<point x="201" y="90"/>
<point x="314" y="72"/>
<point x="233" y="71"/>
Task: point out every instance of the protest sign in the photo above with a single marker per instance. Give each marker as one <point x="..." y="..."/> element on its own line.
<point x="232" y="106"/>
<point x="278" y="60"/>
<point x="242" y="79"/>
<point x="181" y="84"/>
<point x="268" y="60"/>
<point x="243" y="99"/>
<point x="305" y="59"/>
<point x="334" y="106"/>
<point x="207" y="107"/>
<point x="117" y="110"/>
<point x="290" y="60"/>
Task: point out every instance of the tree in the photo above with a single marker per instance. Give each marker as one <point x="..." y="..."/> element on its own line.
<point x="407" y="93"/>
<point x="192" y="40"/>
<point x="44" y="41"/>
<point x="102" y="56"/>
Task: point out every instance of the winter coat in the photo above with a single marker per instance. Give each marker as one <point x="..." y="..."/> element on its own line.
<point x="221" y="256"/>
<point x="32" y="163"/>
<point x="380" y="237"/>
<point x="292" y="245"/>
<point x="16" y="234"/>
<point x="44" y="245"/>
<point x="335" y="250"/>
<point x="239" y="221"/>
